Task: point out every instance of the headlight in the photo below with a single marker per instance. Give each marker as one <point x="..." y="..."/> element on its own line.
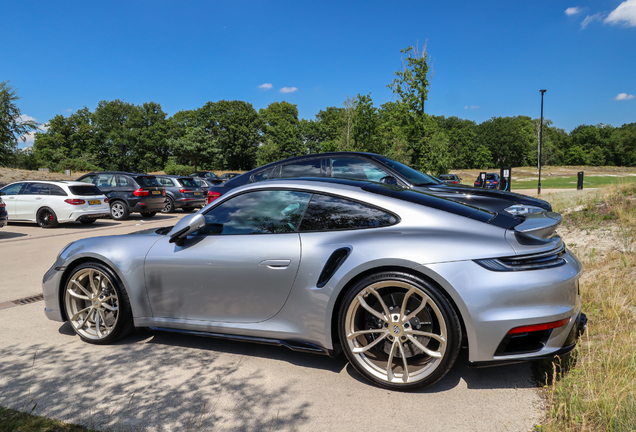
<point x="522" y="209"/>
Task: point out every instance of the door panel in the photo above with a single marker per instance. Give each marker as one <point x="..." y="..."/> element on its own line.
<point x="222" y="278"/>
<point x="32" y="197"/>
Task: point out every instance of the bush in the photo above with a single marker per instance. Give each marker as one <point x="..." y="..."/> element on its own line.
<point x="175" y="169"/>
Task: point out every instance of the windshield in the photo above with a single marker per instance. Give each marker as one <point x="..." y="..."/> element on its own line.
<point x="415" y="177"/>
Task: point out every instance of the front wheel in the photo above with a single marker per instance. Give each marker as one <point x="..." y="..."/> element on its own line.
<point x="46" y="218"/>
<point x="119" y="210"/>
<point x="97" y="305"/>
<point x="399" y="331"/>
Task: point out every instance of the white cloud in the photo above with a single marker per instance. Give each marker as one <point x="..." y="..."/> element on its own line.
<point x="29" y="138"/>
<point x="625" y="12"/>
<point x="288" y="89"/>
<point x="573" y="10"/>
<point x="266" y="86"/>
<point x="471" y="107"/>
<point x="590" y="18"/>
<point x="68" y="110"/>
<point x="24" y="118"/>
<point x="623" y="96"/>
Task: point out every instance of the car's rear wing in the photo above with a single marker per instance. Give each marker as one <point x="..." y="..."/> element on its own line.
<point x="541" y="225"/>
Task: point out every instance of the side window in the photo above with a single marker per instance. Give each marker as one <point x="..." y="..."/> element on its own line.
<point x="105" y="180"/>
<point x="356" y="169"/>
<point x="124" y="181"/>
<point x="88" y="179"/>
<point x="259" y="212"/>
<point x="56" y="190"/>
<point x="309" y="168"/>
<point x="36" y="189"/>
<point x="326" y="213"/>
<point x="14" y="189"/>
<point x="263" y="175"/>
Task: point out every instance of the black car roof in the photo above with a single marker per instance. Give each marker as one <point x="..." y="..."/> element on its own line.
<point x="119" y="172"/>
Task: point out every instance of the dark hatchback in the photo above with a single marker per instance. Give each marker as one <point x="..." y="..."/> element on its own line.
<point x="182" y="192"/>
<point x="492" y="181"/>
<point x="380" y="169"/>
<point x="208" y="176"/>
<point x="129" y="192"/>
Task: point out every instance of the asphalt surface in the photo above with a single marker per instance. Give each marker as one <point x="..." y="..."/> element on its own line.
<point x="155" y="381"/>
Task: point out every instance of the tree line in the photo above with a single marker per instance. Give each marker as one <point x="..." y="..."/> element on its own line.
<point x="232" y="135"/>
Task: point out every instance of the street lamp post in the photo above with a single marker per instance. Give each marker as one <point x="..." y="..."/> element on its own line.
<point x="540" y="142"/>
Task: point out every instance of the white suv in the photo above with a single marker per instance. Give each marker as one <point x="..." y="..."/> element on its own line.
<point x="51" y="202"/>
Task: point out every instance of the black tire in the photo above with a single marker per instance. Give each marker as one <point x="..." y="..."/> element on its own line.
<point x="148" y="214"/>
<point x="94" y="287"/>
<point x="188" y="209"/>
<point x="88" y="221"/>
<point x="169" y="208"/>
<point x="46" y="218"/>
<point x="377" y="352"/>
<point x="119" y="210"/>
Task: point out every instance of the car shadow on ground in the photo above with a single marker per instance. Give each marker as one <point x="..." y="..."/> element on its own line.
<point x="513" y="376"/>
<point x="4" y="234"/>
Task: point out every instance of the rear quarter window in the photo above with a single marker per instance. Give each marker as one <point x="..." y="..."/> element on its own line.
<point x="188" y="182"/>
<point x="326" y="213"/>
<point x="148" y="181"/>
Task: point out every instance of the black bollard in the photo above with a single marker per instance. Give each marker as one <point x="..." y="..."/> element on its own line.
<point x="579" y="181"/>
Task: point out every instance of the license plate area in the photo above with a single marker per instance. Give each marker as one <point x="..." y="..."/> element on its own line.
<point x="94" y="202"/>
<point x="156" y="192"/>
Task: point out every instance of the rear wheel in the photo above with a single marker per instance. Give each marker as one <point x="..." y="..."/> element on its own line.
<point x="399" y="331"/>
<point x="119" y="210"/>
<point x="148" y="214"/>
<point x="46" y="218"/>
<point x="96" y="304"/>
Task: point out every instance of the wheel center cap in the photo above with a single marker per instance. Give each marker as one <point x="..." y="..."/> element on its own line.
<point x="396" y="329"/>
<point x="96" y="303"/>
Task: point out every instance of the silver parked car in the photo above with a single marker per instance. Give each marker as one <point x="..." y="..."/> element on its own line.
<point x="397" y="279"/>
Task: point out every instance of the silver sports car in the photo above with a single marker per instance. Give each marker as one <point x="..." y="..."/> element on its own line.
<point x="399" y="280"/>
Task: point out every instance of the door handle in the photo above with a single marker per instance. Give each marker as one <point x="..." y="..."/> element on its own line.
<point x="276" y="264"/>
<point x="38" y="198"/>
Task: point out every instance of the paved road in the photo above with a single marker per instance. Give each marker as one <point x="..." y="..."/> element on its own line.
<point x="168" y="382"/>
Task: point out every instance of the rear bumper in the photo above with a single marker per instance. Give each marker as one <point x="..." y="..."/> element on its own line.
<point x="190" y="202"/>
<point x="146" y="206"/>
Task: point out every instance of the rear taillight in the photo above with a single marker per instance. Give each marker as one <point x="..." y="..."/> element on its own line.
<point x="185" y="191"/>
<point x="140" y="192"/>
<point x="75" y="201"/>
<point x="2" y="204"/>
<point x="106" y="201"/>
<point x="212" y="196"/>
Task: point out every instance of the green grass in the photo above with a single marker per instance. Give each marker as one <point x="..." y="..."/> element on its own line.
<point x="17" y="421"/>
<point x="570" y="182"/>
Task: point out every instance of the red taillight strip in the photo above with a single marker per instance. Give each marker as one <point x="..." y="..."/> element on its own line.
<point x="75" y="201"/>
<point x="539" y="327"/>
<point x="212" y="196"/>
<point x="140" y="192"/>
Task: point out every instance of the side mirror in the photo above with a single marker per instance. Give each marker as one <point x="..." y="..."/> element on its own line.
<point x="389" y="180"/>
<point x="192" y="224"/>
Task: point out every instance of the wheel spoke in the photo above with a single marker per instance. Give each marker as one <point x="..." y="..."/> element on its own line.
<point x="76" y="316"/>
<point x="372" y="311"/>
<point x="416" y="311"/>
<point x="79" y="285"/>
<point x="427" y="334"/>
<point x="405" y="301"/>
<point x="92" y="281"/>
<point x="389" y="363"/>
<point x="434" y="354"/>
<point x="109" y="307"/>
<point x="98" y="323"/>
<point x="361" y="332"/>
<point x="379" y="297"/>
<point x="365" y="348"/>
<point x="405" y="375"/>
<point x="103" y="319"/>
<point x="76" y="295"/>
<point x="88" y="315"/>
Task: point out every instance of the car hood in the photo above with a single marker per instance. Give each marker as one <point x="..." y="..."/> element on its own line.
<point x="487" y="199"/>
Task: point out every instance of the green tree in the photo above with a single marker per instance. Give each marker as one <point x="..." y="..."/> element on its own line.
<point x="13" y="127"/>
<point x="511" y="140"/>
<point x="437" y="160"/>
<point x="577" y="156"/>
<point x="625" y="139"/>
<point x="365" y="125"/>
<point x="281" y="131"/>
<point x="195" y="148"/>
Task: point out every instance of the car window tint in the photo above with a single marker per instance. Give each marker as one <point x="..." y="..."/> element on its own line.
<point x="123" y="181"/>
<point x="356" y="169"/>
<point x="446" y="177"/>
<point x="105" y="180"/>
<point x="210" y="175"/>
<point x="263" y="175"/>
<point x="188" y="182"/>
<point x="492" y="176"/>
<point x="88" y="179"/>
<point x="148" y="181"/>
<point x="259" y="212"/>
<point x="309" y="168"/>
<point x="415" y="177"/>
<point x="201" y="183"/>
<point x="36" y="189"/>
<point x="13" y="189"/>
<point x="84" y="190"/>
<point x="56" y="190"/>
<point x="326" y="213"/>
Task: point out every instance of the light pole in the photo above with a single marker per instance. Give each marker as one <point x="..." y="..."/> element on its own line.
<point x="540" y="142"/>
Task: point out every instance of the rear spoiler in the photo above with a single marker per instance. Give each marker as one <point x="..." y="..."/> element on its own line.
<point x="540" y="225"/>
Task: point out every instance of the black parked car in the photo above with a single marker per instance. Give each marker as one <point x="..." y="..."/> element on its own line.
<point x="182" y="192"/>
<point x="450" y="178"/>
<point x="376" y="168"/>
<point x="208" y="176"/>
<point x="129" y="192"/>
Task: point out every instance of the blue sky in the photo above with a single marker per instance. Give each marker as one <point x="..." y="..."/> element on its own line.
<point x="490" y="58"/>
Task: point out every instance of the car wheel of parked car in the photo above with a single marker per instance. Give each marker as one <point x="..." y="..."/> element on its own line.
<point x="188" y="209"/>
<point x="119" y="210"/>
<point x="97" y="305"/>
<point x="88" y="221"/>
<point x="46" y="218"/>
<point x="148" y="214"/>
<point x="169" y="208"/>
<point x="399" y="331"/>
